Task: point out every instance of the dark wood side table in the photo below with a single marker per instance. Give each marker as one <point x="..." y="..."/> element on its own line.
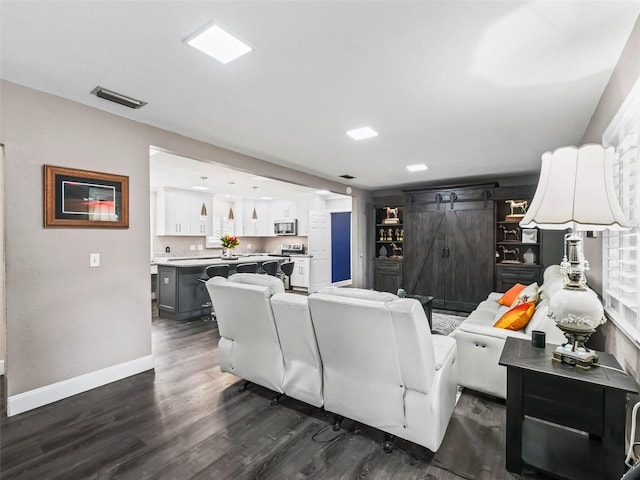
<point x="546" y="397"/>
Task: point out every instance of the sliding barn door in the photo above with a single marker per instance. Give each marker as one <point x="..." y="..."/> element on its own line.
<point x="449" y="246"/>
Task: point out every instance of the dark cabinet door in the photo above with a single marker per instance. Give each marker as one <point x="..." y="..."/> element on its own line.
<point x="424" y="250"/>
<point x="167" y="289"/>
<point x="469" y="261"/>
<point x="192" y="294"/>
<point x="388" y="276"/>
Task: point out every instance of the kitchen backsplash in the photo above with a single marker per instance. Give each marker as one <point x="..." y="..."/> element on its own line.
<point x="182" y="246"/>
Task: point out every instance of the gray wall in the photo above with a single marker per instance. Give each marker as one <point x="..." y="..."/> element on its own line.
<point x="62" y="318"/>
<point x="608" y="337"/>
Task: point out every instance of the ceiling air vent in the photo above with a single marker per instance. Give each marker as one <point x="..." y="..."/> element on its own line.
<point x="118" y="98"/>
<point x="347" y="177"/>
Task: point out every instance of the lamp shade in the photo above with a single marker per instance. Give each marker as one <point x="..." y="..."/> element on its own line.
<point x="576" y="191"/>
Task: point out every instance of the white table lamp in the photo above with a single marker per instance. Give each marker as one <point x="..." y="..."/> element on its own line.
<point x="576" y="191"/>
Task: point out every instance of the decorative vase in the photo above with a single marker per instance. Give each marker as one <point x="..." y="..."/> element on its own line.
<point x="529" y="257"/>
<point x="228" y="252"/>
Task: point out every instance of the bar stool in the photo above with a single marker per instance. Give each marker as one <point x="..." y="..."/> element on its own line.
<point x="210" y="272"/>
<point x="217" y="271"/>
<point x="247" y="268"/>
<point x="270" y="267"/>
<point x="287" y="270"/>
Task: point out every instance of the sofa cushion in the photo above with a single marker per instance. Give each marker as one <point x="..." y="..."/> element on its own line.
<point x="510" y="295"/>
<point x="274" y="284"/>
<point x="360" y="293"/>
<point x="516" y="318"/>
<point x="529" y="294"/>
<point x="542" y="310"/>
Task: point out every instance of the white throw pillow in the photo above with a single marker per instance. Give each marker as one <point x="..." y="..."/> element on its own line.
<point x="529" y="294"/>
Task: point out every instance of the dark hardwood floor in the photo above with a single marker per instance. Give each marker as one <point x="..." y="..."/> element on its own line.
<point x="187" y="420"/>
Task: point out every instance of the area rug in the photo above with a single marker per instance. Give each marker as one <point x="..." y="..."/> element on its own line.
<point x="444" y="323"/>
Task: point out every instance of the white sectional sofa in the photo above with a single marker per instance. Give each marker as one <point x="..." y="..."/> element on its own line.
<point x="365" y="355"/>
<point x="480" y="343"/>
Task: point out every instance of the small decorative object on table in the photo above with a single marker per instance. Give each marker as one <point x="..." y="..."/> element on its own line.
<point x="510" y="255"/>
<point x="518" y="209"/>
<point x="392" y="217"/>
<point x="529" y="235"/>
<point x="229" y="243"/>
<point x="529" y="257"/>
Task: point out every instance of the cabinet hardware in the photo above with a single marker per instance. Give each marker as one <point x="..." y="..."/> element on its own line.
<point x="452" y="198"/>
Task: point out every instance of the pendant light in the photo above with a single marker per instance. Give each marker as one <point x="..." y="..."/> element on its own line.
<point x="254" y="215"/>
<point x="201" y="187"/>
<point x="230" y="215"/>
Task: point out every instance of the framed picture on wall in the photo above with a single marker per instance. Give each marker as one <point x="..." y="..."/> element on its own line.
<point x="82" y="198"/>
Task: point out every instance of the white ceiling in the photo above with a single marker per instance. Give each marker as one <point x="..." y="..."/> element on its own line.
<point x="469" y="88"/>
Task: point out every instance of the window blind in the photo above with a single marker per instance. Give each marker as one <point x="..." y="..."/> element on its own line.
<point x="621" y="282"/>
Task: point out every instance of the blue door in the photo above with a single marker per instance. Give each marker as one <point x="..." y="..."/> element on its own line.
<point x="340" y="246"/>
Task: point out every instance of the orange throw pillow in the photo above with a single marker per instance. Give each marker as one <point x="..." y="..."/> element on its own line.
<point x="510" y="295"/>
<point x="517" y="317"/>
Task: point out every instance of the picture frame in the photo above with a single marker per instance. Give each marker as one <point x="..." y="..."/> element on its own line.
<point x="84" y="198"/>
<point x="529" y="235"/>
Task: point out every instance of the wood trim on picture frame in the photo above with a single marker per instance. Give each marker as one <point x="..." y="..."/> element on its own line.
<point x="82" y="198"/>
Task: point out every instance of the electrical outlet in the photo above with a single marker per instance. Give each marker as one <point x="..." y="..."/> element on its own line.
<point x="200" y="247"/>
<point x="248" y="246"/>
<point x="192" y="247"/>
<point x="94" y="260"/>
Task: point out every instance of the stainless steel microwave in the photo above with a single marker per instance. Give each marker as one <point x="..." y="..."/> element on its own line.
<point x="285" y="227"/>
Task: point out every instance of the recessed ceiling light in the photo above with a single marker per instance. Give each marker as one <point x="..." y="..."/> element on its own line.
<point x="362" y="133"/>
<point x="219" y="44"/>
<point x="266" y="198"/>
<point x="323" y="192"/>
<point x="417" y="168"/>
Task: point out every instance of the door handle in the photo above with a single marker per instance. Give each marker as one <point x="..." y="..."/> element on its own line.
<point x="447" y="250"/>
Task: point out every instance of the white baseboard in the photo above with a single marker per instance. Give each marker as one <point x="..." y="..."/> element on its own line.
<point x="39" y="397"/>
<point x="1" y="367"/>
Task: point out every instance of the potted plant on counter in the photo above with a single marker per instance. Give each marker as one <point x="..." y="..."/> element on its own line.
<point x="229" y="243"/>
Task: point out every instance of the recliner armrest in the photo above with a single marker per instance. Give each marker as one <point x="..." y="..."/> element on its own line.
<point x="443" y="348"/>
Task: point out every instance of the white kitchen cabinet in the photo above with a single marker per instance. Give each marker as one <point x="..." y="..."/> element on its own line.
<point x="284" y="210"/>
<point x="300" y="275"/>
<point x="173" y="212"/>
<point x="198" y="205"/>
<point x="263" y="226"/>
<point x="303" y="218"/>
<point x="178" y="213"/>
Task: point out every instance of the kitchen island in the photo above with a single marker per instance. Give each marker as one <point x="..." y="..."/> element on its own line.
<point x="180" y="295"/>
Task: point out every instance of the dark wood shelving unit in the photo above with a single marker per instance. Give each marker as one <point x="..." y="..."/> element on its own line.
<point x="389" y="233"/>
<point x="517" y="251"/>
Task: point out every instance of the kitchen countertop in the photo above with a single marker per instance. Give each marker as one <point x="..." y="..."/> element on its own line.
<point x="198" y="262"/>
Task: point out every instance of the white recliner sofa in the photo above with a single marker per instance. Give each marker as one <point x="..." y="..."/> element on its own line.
<point x="302" y="363"/>
<point x="365" y="355"/>
<point x="381" y="365"/>
<point x="266" y="335"/>
<point x="249" y="346"/>
<point x="480" y="344"/>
